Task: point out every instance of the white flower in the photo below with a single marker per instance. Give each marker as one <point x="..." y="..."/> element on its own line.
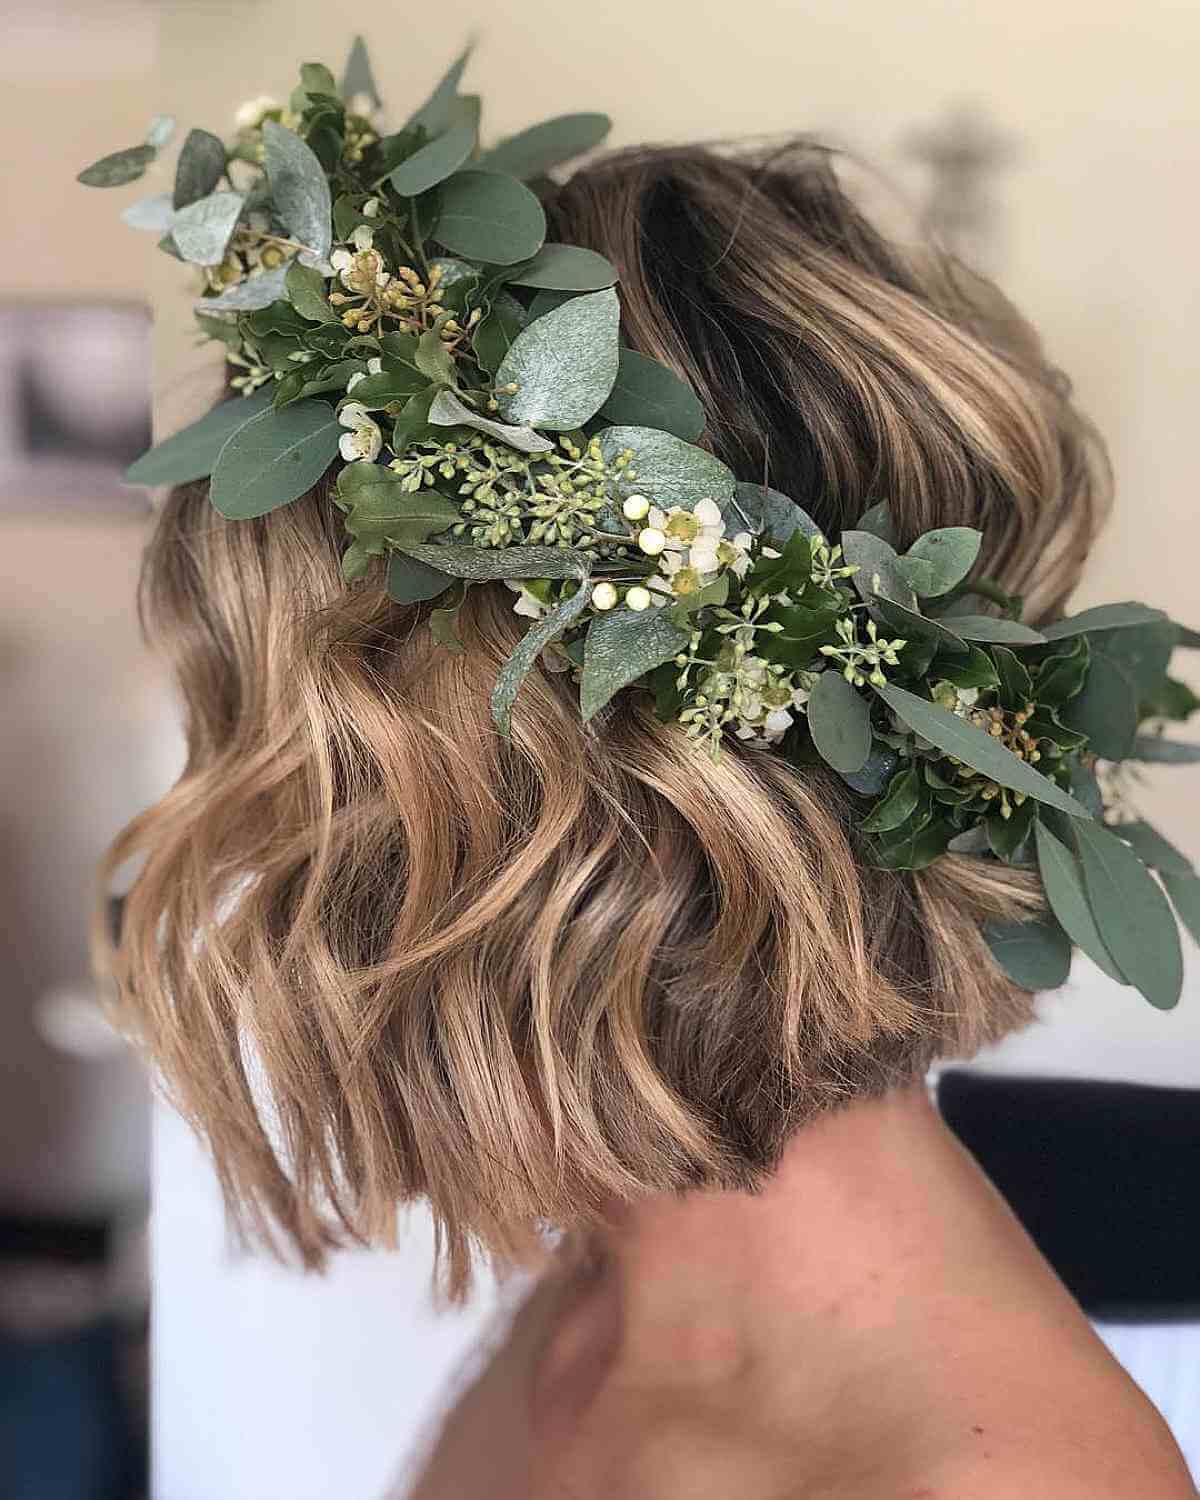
<point x="361" y="269"/>
<point x="638" y="598"/>
<point x="741" y="544"/>
<point x="364" y="440"/>
<point x="635" y="507"/>
<point x="604" y="596"/>
<point x="249" y="116"/>
<point x="651" y="540"/>
<point x="527" y="604"/>
<point x="363" y="237"/>
<point x="374" y="367"/>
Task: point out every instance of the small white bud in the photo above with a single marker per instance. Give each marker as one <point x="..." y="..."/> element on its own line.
<point x="635" y="508"/>
<point x="371" y="208"/>
<point x="604" y="596"/>
<point x="651" y="540"/>
<point x="638" y="598"/>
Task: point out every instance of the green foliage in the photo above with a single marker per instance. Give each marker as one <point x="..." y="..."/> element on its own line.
<point x="565" y="268"/>
<point x="839" y="721"/>
<point x="448" y="411"/>
<point x="202" y="229"/>
<point x="1036" y="955"/>
<point x="200" y="167"/>
<point x="299" y="187"/>
<point x="306" y="291"/>
<point x="622" y="646"/>
<point x="532" y="152"/>
<point x="437" y="113"/>
<point x="381" y="513"/>
<point x="444" y="154"/>
<point x="357" y="77"/>
<point x="665" y="467"/>
<point x="648" y="393"/>
<point x="192" y="452"/>
<point x="529" y="648"/>
<point x="273" y="459"/>
<point x="118" y="168"/>
<point x="947" y="556"/>
<point x="412" y="582"/>
<point x="563" y="365"/>
<point x="484" y="565"/>
<point x="768" y="513"/>
<point x="489" y="218"/>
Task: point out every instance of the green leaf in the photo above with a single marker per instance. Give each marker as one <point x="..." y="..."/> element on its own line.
<point x="436" y="114"/>
<point x="989" y="628"/>
<point x="532" y="152"/>
<point x="919" y="627"/>
<point x="1162" y="751"/>
<point x="1060" y="678"/>
<point x="489" y="218"/>
<point x="251" y="295"/>
<point x="873" y="779"/>
<point x="443" y="621"/>
<point x="443" y="155"/>
<point x="975" y="670"/>
<point x="769" y="513"/>
<point x="1103" y="617"/>
<point x="1184" y="891"/>
<point x="546" y="301"/>
<point x="563" y="365"/>
<point x="118" y="168"/>
<point x="497" y="332"/>
<point x="622" y="646"/>
<point x="381" y="513"/>
<point x="879" y="575"/>
<point x="412" y="582"/>
<point x="839" y="720"/>
<point x="395" y="384"/>
<point x="1035" y="955"/>
<point x="1132" y="914"/>
<point x="273" y="459"/>
<point x="192" y="452"/>
<point x="448" y="411"/>
<point x="804" y="632"/>
<point x="315" y="78"/>
<point x="664" y="468"/>
<point x="649" y="393"/>
<point x="950" y="554"/>
<point x="200" y="167"/>
<point x="483" y="564"/>
<point x="160" y="130"/>
<point x="358" y="77"/>
<point x="1169" y="699"/>
<point x="413" y="420"/>
<point x="433" y="359"/>
<point x="1062" y="882"/>
<point x="897" y="807"/>
<point x="152" y="213"/>
<point x="914" y="850"/>
<point x="202" y="229"/>
<point x="566" y="268"/>
<point x="1105" y="709"/>
<point x="1016" y="685"/>
<point x="299" y="187"/>
<point x="524" y="658"/>
<point x="1007" y="836"/>
<point x="976" y="748"/>
<point x="306" y="291"/>
<point x="1152" y="849"/>
<point x="878" y="521"/>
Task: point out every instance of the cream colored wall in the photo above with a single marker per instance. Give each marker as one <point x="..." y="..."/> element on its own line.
<point x="1102" y="212"/>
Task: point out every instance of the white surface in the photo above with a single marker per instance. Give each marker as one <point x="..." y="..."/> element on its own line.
<point x="272" y="1385"/>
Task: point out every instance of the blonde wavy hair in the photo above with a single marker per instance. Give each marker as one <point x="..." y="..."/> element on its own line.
<point x="379" y="954"/>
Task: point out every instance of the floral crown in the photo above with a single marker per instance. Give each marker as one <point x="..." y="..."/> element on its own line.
<point x="391" y="298"/>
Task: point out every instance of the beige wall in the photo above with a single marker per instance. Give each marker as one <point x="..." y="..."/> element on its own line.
<point x="1101" y="210"/>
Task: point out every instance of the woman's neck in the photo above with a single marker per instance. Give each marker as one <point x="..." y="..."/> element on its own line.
<point x="876" y="1292"/>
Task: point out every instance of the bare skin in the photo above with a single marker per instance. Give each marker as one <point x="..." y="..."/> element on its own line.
<point x="874" y="1325"/>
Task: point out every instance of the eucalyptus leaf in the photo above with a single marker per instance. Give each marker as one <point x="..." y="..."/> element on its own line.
<point x="878" y="521"/>
<point x="767" y="512"/>
<point x="357" y="78"/>
<point x="1152" y="849"/>
<point x="1132" y="914"/>
<point x="989" y="628"/>
<point x="1062" y="881"/>
<point x="878" y="575"/>
<point x="1103" y="617"/>
<point x="1159" y="749"/>
<point x="192" y="452"/>
<point x="532" y="152"/>
<point x="254" y="293"/>
<point x="200" y="167"/>
<point x="649" y="393"/>
<point x="202" y="229"/>
<point x="1184" y="891"/>
<point x="977" y="749"/>
<point x="873" y="779"/>
<point x="299" y="187"/>
<point x="160" y="130"/>
<point x="664" y="468"/>
<point x="153" y="213"/>
<point x="443" y="155"/>
<point x="566" y="268"/>
<point x="1106" y="709"/>
<point x="913" y="624"/>
<point x="273" y="459"/>
<point x="412" y="582"/>
<point x="839" y="720"/>
<point x="1035" y="955"/>
<point x="897" y="807"/>
<point x="306" y="292"/>
<point x="489" y="218"/>
<point x="436" y="114"/>
<point x="118" y="168"/>
<point x="483" y="564"/>
<point x="448" y="411"/>
<point x="622" y="646"/>
<point x="529" y="648"/>
<point x="563" y="365"/>
<point x="950" y="553"/>
<point x="495" y="334"/>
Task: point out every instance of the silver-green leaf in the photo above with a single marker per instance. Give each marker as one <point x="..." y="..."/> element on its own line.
<point x="977" y="749"/>
<point x="1103" y="617"/>
<point x="448" y="411"/>
<point x="950" y="554"/>
<point x="434" y="162"/>
<point x="358" y="78"/>
<point x="118" y="168"/>
<point x="566" y="268"/>
<point x="201" y="230"/>
<point x="248" y="296"/>
<point x="489" y="218"/>
<point x="529" y="648"/>
<point x="767" y="512"/>
<point x="200" y="167"/>
<point x="436" y="113"/>
<point x="991" y="628"/>
<point x="484" y="564"/>
<point x="563" y="365"/>
<point x="153" y="213"/>
<point x="649" y="393"/>
<point x="274" y="458"/>
<point x="299" y="187"/>
<point x="1036" y="955"/>
<point x="1062" y="881"/>
<point x="192" y="452"/>
<point x="622" y="646"/>
<point x="664" y="468"/>
<point x="839" y="720"/>
<point x="533" y="152"/>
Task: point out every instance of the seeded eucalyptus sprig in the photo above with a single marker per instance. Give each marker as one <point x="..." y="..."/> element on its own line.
<point x="389" y="306"/>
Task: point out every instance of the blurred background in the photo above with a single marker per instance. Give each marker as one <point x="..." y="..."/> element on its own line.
<point x="1056" y="146"/>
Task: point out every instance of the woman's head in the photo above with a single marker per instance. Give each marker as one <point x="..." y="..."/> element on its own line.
<point x="380" y="953"/>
